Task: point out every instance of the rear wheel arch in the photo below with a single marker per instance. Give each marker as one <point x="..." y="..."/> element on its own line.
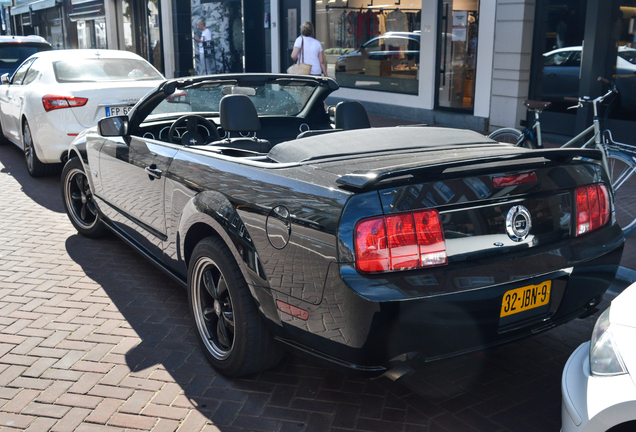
<point x="214" y="221"/>
<point x="196" y="226"/>
<point x="195" y="233"/>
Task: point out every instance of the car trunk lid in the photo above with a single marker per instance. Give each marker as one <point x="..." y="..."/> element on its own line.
<point x="113" y="98"/>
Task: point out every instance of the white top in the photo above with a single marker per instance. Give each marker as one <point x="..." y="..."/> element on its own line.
<point x="206" y="35"/>
<point x="310" y="51"/>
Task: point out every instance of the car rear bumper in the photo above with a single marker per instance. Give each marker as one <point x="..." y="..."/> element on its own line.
<point x="53" y="133"/>
<point x="375" y="336"/>
<point x="591" y="403"/>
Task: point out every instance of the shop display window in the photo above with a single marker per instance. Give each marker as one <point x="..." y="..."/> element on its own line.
<point x="374" y="47"/>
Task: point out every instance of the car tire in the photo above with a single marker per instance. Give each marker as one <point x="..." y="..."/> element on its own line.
<point x="511" y="136"/>
<point x="234" y="337"/>
<point x="35" y="167"/>
<point x="78" y="201"/>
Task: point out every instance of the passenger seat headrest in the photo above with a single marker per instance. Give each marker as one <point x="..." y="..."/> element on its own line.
<point x="238" y="114"/>
<point x="351" y="115"/>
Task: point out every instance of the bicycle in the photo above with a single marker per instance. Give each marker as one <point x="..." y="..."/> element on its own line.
<point x="531" y="137"/>
<point x="619" y="160"/>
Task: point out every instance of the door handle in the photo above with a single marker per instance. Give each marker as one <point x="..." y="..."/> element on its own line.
<point x="153" y="172"/>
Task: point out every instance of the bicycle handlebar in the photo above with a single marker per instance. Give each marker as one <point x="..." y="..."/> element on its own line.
<point x="580" y="101"/>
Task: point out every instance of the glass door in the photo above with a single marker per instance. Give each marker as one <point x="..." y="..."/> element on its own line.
<point x="457" y="54"/>
<point x="140" y="29"/>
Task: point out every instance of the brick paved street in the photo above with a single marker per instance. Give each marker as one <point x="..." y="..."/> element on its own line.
<point x="94" y="338"/>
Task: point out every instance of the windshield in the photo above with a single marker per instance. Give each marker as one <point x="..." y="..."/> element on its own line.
<point x="277" y="97"/>
<point x="105" y="69"/>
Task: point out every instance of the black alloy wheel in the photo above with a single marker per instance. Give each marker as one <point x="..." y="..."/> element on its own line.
<point x="231" y="332"/>
<point x="78" y="200"/>
<point x="215" y="313"/>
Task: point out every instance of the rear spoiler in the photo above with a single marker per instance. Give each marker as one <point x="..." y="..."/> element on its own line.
<point x="359" y="180"/>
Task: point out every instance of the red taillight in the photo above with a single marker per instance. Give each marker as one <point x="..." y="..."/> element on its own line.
<point x="372" y="254"/>
<point x="513" y="180"/>
<point x="592" y="208"/>
<point x="52" y="102"/>
<point x="399" y="242"/>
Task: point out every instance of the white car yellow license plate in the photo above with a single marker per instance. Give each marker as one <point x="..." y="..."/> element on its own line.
<point x="525" y="298"/>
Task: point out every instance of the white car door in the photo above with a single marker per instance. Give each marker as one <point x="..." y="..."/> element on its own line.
<point x="11" y="103"/>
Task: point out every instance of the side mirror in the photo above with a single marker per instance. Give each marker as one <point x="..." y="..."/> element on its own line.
<point x="4" y="79"/>
<point x="113" y="126"/>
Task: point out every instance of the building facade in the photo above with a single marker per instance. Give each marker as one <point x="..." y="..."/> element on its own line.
<point x="460" y="63"/>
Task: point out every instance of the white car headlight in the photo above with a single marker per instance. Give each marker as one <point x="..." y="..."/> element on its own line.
<point x="604" y="359"/>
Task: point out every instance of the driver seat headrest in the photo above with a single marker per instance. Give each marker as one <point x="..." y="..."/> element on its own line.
<point x="238" y="114"/>
<point x="351" y="115"/>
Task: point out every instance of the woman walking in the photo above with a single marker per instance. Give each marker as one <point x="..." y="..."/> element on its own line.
<point x="309" y="50"/>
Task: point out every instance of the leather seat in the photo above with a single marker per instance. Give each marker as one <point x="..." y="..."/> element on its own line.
<point x="351" y="115"/>
<point x="238" y="116"/>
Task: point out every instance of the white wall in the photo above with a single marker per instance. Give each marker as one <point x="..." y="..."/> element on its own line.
<point x="511" y="63"/>
<point x="485" y="55"/>
<point x="111" y="24"/>
<point x="275" y="36"/>
<point x="167" y="38"/>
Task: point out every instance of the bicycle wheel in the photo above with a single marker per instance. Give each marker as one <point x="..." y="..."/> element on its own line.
<point x="511" y="136"/>
<point x="621" y="171"/>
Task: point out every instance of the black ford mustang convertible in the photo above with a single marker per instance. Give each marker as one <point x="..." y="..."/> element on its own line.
<point x="368" y="248"/>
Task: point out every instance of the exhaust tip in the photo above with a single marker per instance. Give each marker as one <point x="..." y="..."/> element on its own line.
<point x="398" y="372"/>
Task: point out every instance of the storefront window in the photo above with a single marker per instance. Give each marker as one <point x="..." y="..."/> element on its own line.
<point x="52" y="31"/>
<point x="223" y="52"/>
<point x="458" y="53"/>
<point x="561" y="32"/>
<point x="371" y="47"/>
<point x="626" y="63"/>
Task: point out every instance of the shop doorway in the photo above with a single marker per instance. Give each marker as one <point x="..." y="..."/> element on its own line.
<point x="457" y="54"/>
<point x="140" y="30"/>
<point x="256" y="50"/>
<point x="289" y="30"/>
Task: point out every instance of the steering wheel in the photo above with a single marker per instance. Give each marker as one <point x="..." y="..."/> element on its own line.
<point x="192" y="135"/>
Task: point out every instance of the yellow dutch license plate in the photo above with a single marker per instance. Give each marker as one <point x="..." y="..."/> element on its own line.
<point x="525" y="298"/>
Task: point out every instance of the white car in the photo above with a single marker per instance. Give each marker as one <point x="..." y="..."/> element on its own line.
<point x="54" y="95"/>
<point x="598" y="390"/>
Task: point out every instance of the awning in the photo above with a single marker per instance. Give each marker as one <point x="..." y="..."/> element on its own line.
<point x="36" y="5"/>
<point x="88" y="13"/>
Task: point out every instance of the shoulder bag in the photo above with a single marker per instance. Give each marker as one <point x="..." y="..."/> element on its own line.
<point x="300" y="68"/>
